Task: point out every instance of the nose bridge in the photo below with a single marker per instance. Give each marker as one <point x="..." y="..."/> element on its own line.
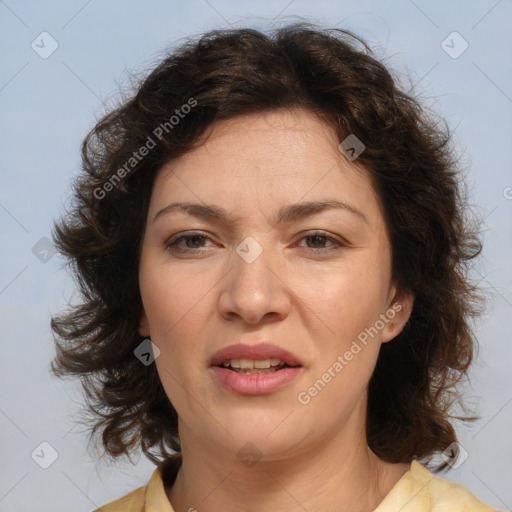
<point x="252" y="289"/>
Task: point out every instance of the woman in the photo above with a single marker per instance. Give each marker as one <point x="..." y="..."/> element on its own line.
<point x="272" y="249"/>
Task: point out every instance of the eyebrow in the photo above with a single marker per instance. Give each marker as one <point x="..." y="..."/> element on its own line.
<point x="286" y="213"/>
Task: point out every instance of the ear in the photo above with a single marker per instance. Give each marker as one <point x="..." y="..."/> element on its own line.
<point x="399" y="310"/>
<point x="144" y="324"/>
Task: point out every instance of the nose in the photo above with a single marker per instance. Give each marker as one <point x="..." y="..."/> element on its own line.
<point x="255" y="291"/>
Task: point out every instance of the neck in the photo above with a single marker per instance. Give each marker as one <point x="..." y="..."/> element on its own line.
<point x="341" y="474"/>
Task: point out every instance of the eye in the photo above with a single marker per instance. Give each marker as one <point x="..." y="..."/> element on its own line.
<point x="320" y="238"/>
<point x="193" y="241"/>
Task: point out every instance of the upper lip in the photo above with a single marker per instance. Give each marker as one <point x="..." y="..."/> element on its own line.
<point x="254" y="352"/>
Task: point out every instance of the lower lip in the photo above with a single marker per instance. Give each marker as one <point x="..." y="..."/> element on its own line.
<point x="255" y="383"/>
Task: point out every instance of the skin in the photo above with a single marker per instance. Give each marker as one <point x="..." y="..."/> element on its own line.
<point x="313" y="303"/>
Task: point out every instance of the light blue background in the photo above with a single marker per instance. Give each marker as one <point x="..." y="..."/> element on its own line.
<point x="47" y="106"/>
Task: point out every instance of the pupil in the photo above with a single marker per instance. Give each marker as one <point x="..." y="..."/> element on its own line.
<point x="195" y="237"/>
<point x="316" y="237"/>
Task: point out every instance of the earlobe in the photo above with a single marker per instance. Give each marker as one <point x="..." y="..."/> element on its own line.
<point x="144" y="324"/>
<point x="397" y="315"/>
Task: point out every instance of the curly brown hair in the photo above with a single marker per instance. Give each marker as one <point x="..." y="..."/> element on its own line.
<point x="225" y="73"/>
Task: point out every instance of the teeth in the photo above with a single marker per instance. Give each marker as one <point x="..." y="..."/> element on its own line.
<point x="264" y="363"/>
<point x="248" y="364"/>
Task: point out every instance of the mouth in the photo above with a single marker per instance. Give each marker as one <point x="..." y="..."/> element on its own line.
<point x="252" y="366"/>
<point x="254" y="369"/>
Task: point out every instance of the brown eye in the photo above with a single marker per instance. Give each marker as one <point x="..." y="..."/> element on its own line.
<point x="317" y="241"/>
<point x="192" y="241"/>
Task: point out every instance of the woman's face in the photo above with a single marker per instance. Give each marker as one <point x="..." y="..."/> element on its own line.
<point x="249" y="278"/>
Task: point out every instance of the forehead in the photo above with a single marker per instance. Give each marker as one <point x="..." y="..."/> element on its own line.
<point x="267" y="139"/>
<point x="267" y="160"/>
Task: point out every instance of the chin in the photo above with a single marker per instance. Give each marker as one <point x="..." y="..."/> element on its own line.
<point x="268" y="437"/>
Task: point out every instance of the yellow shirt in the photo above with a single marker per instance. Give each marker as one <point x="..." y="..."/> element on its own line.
<point x="418" y="490"/>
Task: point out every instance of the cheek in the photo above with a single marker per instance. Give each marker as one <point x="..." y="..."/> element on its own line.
<point x="177" y="306"/>
<point x="345" y="299"/>
<point x="172" y="298"/>
<point x="346" y="349"/>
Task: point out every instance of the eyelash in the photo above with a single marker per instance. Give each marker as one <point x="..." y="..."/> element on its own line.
<point x="172" y="246"/>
